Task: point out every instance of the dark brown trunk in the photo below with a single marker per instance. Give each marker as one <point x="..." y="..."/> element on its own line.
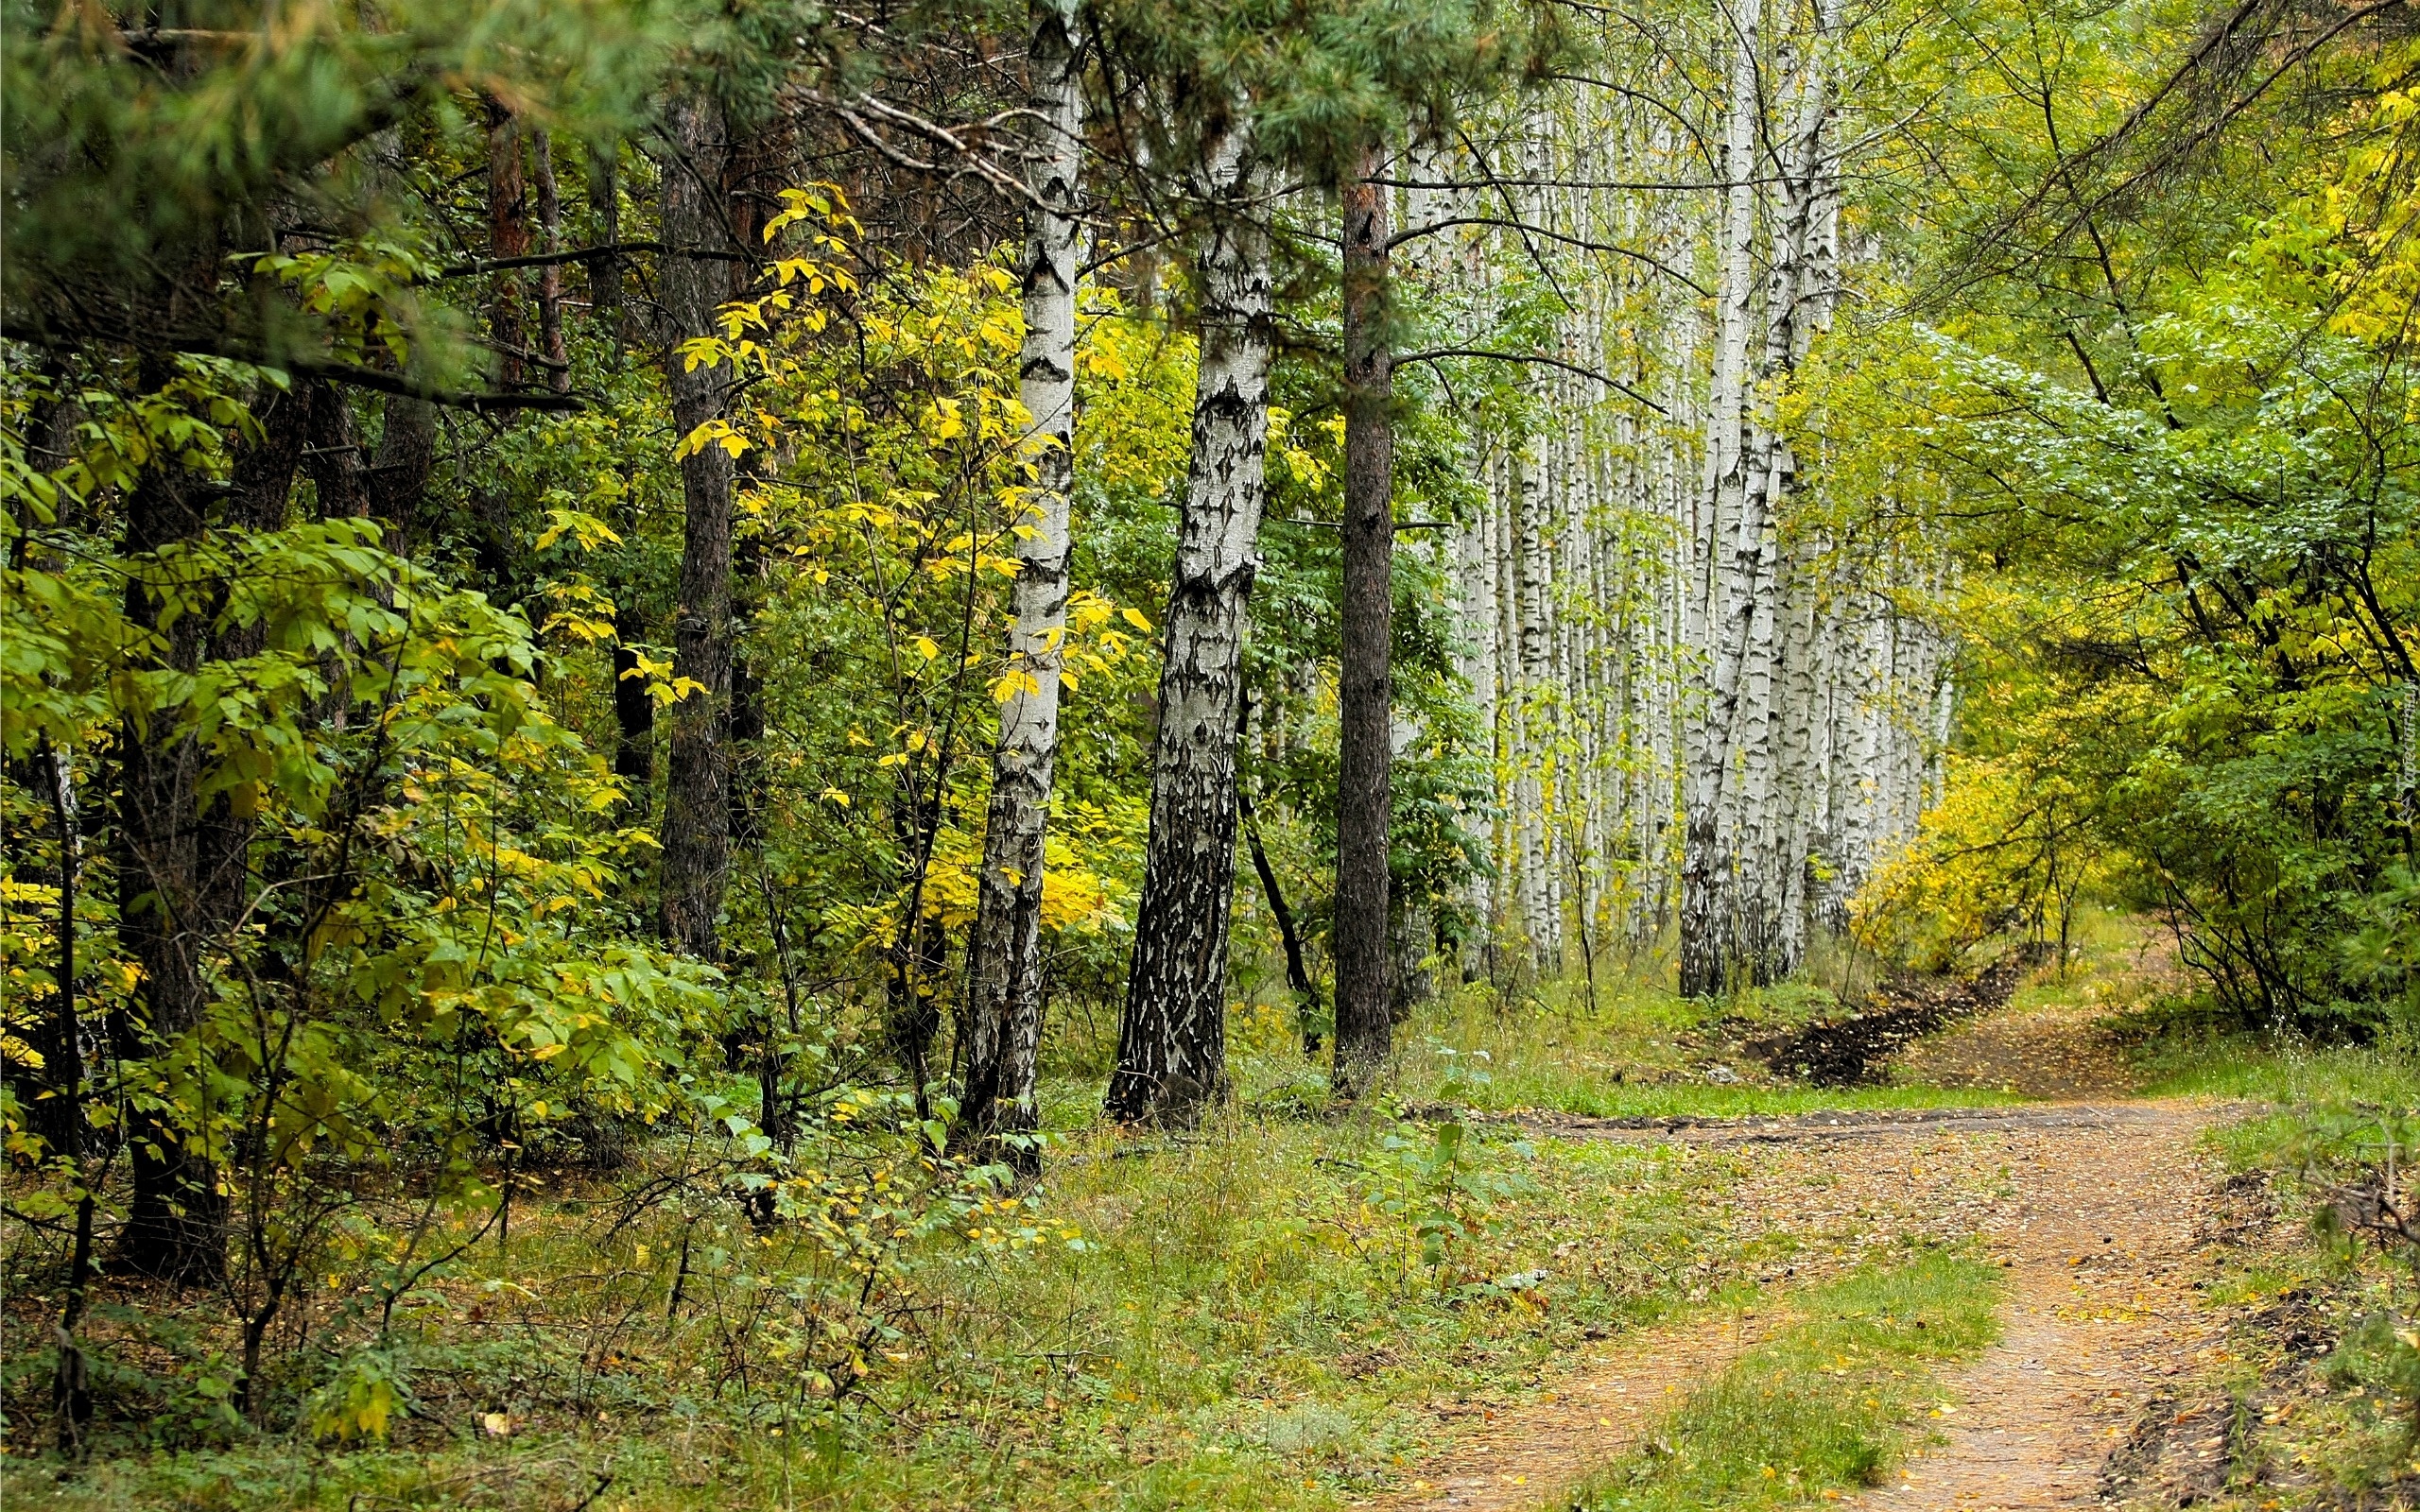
<point x="696" y="859"/>
<point x="746" y="731"/>
<point x="633" y="706"/>
<point x="507" y="236"/>
<point x="399" y="474"/>
<point x="1298" y="971"/>
<point x="1365" y="720"/>
<point x="912" y="1017"/>
<point x="175" y="1216"/>
<point x="605" y="231"/>
<point x="334" y="457"/>
<point x="334" y="461"/>
<point x="263" y="478"/>
<point x="550" y="278"/>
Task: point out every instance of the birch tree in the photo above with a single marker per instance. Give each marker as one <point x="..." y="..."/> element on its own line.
<point x="1004" y="993"/>
<point x="1724" y="579"/>
<point x="1171" y="1039"/>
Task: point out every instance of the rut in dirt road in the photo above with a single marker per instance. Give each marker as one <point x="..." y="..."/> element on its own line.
<point x="2102" y="1312"/>
<point x="2092" y="1208"/>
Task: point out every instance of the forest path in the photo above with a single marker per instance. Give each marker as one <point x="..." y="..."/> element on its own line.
<point x="2092" y="1207"/>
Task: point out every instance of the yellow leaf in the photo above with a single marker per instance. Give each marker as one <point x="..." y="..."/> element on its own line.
<point x="1135" y="618"/>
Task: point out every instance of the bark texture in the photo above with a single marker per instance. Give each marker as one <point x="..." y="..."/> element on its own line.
<point x="177" y="1214"/>
<point x="1725" y="578"/>
<point x="696" y="861"/>
<point x="1172" y="1035"/>
<point x="507" y="236"/>
<point x="1364" y="999"/>
<point x="1004" y="968"/>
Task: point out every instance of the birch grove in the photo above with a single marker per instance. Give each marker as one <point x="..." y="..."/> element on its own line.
<point x="1713" y="719"/>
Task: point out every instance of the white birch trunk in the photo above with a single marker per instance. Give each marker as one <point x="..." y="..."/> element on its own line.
<point x="1004" y="956"/>
<point x="1172" y="1035"/>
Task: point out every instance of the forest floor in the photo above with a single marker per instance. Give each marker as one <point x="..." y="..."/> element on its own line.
<point x="2035" y="1264"/>
<point x="2092" y="1208"/>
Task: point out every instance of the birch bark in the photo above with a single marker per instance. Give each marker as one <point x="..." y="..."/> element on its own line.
<point x="1004" y="990"/>
<point x="1724" y="598"/>
<point x="1172" y="1048"/>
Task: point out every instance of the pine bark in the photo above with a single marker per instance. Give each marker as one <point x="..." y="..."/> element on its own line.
<point x="550" y="278"/>
<point x="399" y="474"/>
<point x="507" y="237"/>
<point x="1004" y="968"/>
<point x="605" y="233"/>
<point x="696" y="860"/>
<point x="1364" y="998"/>
<point x="1172" y="1035"/>
<point x="176" y="1214"/>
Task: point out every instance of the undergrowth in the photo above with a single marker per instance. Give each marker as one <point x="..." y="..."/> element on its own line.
<point x="1247" y="1317"/>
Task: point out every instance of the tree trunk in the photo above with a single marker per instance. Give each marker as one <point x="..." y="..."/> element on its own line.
<point x="1533" y="709"/>
<point x="605" y="233"/>
<point x="1172" y="1037"/>
<point x="695" y="858"/>
<point x="1767" y="847"/>
<point x="1004" y="958"/>
<point x="633" y="705"/>
<point x="1298" y="971"/>
<point x="1707" y="941"/>
<point x="263" y="483"/>
<point x="175" y="1218"/>
<point x="550" y="278"/>
<point x="1364" y="1017"/>
<point x="399" y="473"/>
<point x="507" y="236"/>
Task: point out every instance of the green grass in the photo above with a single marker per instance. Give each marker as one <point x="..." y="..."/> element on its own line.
<point x="1631" y="1050"/>
<point x="1254" y="1320"/>
<point x="1258" y="1317"/>
<point x="2242" y="1066"/>
<point x="1830" y="1406"/>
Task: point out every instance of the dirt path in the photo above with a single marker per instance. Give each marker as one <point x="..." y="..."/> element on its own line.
<point x="2054" y="1050"/>
<point x="1517" y="1457"/>
<point x="2102" y="1310"/>
<point x="2090" y="1206"/>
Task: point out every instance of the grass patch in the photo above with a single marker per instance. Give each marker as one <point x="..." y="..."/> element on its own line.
<point x="2241" y="1065"/>
<point x="1829" y="1406"/>
<point x="1643" y="1052"/>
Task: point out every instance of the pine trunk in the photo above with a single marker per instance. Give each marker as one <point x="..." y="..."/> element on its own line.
<point x="1364" y="1000"/>
<point x="177" y="1215"/>
<point x="1004" y="959"/>
<point x="696" y="811"/>
<point x="507" y="237"/>
<point x="1172" y="1037"/>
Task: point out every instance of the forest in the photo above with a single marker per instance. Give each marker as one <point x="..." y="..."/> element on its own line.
<point x="1106" y="753"/>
